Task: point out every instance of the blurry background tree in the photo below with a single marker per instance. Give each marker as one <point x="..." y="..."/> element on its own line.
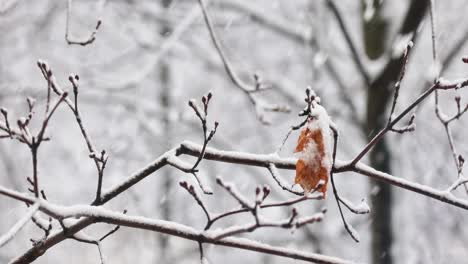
<point x="150" y="57"/>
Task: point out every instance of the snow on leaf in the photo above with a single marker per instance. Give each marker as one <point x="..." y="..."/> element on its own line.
<point x="314" y="163"/>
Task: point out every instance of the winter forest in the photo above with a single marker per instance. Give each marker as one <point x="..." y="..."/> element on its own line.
<point x="233" y="131"/>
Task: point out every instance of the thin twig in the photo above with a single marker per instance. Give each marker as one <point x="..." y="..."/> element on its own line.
<point x="354" y="52"/>
<point x="277" y="177"/>
<point x="260" y="106"/>
<point x="92" y="37"/>
<point x="400" y="79"/>
<point x="437" y="86"/>
<point x="347" y="226"/>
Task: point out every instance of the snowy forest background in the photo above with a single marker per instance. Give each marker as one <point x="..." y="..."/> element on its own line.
<point x="150" y="58"/>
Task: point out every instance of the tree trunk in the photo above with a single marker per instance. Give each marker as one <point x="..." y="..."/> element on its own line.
<point x="375" y="30"/>
<point x="378" y="98"/>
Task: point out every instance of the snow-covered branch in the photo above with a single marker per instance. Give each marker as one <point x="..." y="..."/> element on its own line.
<point x="17" y="227"/>
<point x="95" y="214"/>
<point x="249" y="159"/>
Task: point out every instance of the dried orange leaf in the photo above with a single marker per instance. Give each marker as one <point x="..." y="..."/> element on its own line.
<point x="303" y="140"/>
<point x="314" y="163"/>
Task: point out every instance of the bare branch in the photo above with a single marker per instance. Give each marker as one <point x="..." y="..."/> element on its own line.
<point x="92" y="37"/>
<point x="207" y="136"/>
<point x="260" y="106"/>
<point x="99" y="160"/>
<point x="354" y="52"/>
<point x="354" y="235"/>
<point x="441" y="84"/>
<point x="438" y="111"/>
<point x="400" y="79"/>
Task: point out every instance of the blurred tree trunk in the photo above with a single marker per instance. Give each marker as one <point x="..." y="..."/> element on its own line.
<point x="166" y="104"/>
<point x="375" y="30"/>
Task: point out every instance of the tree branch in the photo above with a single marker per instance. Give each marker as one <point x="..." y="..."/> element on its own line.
<point x="92" y="37"/>
<point x="99" y="214"/>
<point x="260" y="106"/>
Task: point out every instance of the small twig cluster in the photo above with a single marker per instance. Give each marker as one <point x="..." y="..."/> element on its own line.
<point x="261" y="193"/>
<point x="32" y="140"/>
<point x="260" y="106"/>
<point x="23" y="134"/>
<point x="100" y="160"/>
<point x="310" y="98"/>
<point x="201" y="113"/>
<point x="441" y="116"/>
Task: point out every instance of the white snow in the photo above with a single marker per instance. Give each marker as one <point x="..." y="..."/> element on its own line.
<point x="400" y="44"/>
<point x="17" y="227"/>
<point x="444" y="82"/>
<point x="369" y="10"/>
<point x="434" y="72"/>
<point x="361" y="208"/>
<point x="204" y="260"/>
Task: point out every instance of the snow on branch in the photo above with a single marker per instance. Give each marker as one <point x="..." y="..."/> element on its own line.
<point x="100" y="159"/>
<point x="263" y="160"/>
<point x="17" y="227"/>
<point x="441" y="116"/>
<point x="96" y="213"/>
<point x="100" y="214"/>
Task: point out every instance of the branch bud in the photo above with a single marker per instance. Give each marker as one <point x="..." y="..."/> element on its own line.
<point x="4" y="111"/>
<point x="31" y="101"/>
<point x="257" y="191"/>
<point x="294" y="212"/>
<point x="99" y="22"/>
<point x="183" y="184"/>
<point x="191" y="103"/>
<point x="266" y="191"/>
<point x="22" y="122"/>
